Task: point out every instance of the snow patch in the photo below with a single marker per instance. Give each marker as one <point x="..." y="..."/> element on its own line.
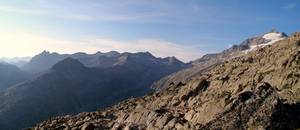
<point x="270" y="37"/>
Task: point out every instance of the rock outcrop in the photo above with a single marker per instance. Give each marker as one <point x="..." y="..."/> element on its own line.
<point x="260" y="90"/>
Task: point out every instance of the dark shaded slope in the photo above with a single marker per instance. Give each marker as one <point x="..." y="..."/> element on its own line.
<point x="10" y="75"/>
<point x="69" y="87"/>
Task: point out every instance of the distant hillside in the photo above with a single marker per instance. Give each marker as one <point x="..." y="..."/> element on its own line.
<point x="70" y="86"/>
<point x="10" y="75"/>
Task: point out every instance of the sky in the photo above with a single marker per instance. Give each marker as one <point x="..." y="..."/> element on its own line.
<point x="186" y="29"/>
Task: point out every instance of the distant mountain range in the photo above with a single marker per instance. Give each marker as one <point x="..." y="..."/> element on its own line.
<point x="46" y="60"/>
<point x="72" y="83"/>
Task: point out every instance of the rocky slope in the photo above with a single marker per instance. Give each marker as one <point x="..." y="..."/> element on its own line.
<point x="260" y="90"/>
<point x="69" y="87"/>
<point x="210" y="60"/>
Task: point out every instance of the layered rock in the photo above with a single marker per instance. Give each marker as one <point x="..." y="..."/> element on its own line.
<point x="260" y="90"/>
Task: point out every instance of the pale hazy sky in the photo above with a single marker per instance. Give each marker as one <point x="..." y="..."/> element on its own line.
<point x="185" y="29"/>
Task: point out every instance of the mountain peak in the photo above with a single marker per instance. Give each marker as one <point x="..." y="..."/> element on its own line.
<point x="45" y="52"/>
<point x="253" y="43"/>
<point x="173" y="60"/>
<point x="137" y="55"/>
<point x="273" y="35"/>
<point x="112" y="53"/>
<point x="146" y="54"/>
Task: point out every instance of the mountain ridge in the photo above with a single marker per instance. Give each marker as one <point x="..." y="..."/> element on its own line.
<point x="46" y="60"/>
<point x="259" y="90"/>
<point x="209" y="60"/>
<point x="69" y="87"/>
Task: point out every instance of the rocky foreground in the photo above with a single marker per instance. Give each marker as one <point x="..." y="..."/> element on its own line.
<point x="260" y="90"/>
